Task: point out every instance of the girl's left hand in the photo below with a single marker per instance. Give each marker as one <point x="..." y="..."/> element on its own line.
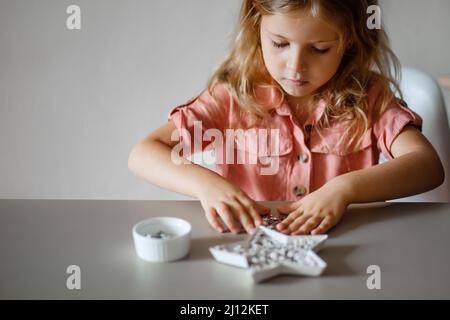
<point x="316" y="213"/>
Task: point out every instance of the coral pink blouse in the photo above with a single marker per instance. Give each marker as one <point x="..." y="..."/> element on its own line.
<point x="302" y="160"/>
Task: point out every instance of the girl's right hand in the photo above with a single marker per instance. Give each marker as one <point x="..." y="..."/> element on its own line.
<point x="222" y="201"/>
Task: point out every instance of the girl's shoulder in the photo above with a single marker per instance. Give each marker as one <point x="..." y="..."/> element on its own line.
<point x="214" y="97"/>
<point x="219" y="90"/>
<point x="267" y="97"/>
<point x="212" y="102"/>
<point x="389" y="111"/>
<point x="379" y="95"/>
<point x="220" y="96"/>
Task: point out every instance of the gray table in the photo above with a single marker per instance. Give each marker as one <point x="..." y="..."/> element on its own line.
<point x="41" y="238"/>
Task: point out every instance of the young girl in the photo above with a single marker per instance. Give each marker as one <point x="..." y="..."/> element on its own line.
<point x="313" y="71"/>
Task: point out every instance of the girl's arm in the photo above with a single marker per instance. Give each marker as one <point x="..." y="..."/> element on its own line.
<point x="416" y="168"/>
<point x="223" y="202"/>
<point x="151" y="160"/>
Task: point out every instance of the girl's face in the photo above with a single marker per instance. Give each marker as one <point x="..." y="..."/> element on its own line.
<point x="298" y="46"/>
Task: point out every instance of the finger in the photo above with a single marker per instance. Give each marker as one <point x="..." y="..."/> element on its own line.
<point x="242" y="214"/>
<point x="251" y="210"/>
<point x="290" y="219"/>
<point x="247" y="223"/>
<point x="213" y="219"/>
<point x="228" y="218"/>
<point x="309" y="225"/>
<point x="298" y="222"/>
<point x="324" y="226"/>
<point x="288" y="208"/>
<point x="261" y="209"/>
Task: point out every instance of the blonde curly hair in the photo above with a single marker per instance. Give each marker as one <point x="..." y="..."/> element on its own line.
<point x="367" y="54"/>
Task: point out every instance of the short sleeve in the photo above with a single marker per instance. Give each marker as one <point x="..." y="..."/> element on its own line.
<point x="391" y="123"/>
<point x="199" y="114"/>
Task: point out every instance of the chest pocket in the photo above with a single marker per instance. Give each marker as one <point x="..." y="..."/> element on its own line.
<point x="267" y="142"/>
<point x="330" y="140"/>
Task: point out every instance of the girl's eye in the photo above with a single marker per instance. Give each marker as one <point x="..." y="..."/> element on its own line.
<point x="321" y="51"/>
<point x="279" y="45"/>
<point x="282" y="45"/>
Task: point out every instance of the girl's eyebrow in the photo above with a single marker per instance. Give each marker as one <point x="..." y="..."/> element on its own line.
<point x="282" y="37"/>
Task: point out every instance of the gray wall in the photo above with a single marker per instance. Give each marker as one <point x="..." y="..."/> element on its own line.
<point x="73" y="103"/>
<point x="419" y="32"/>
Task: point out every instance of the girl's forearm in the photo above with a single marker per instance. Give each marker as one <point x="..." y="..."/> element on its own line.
<point x="407" y="175"/>
<point x="152" y="161"/>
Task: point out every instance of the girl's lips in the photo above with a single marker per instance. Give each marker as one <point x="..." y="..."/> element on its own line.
<point x="298" y="82"/>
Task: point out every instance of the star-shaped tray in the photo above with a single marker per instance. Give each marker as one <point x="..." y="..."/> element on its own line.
<point x="268" y="253"/>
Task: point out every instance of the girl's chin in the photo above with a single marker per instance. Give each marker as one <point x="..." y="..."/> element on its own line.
<point x="298" y="92"/>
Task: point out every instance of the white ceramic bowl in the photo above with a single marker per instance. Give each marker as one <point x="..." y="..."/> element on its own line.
<point x="162" y="250"/>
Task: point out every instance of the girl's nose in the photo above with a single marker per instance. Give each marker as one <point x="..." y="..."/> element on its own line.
<point x="296" y="62"/>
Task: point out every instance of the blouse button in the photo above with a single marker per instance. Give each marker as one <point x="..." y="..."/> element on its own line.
<point x="303" y="157"/>
<point x="299" y="191"/>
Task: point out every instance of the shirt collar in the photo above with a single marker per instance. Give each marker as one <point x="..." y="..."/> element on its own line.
<point x="270" y="97"/>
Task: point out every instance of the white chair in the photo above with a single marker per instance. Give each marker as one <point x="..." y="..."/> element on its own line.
<point x="423" y="95"/>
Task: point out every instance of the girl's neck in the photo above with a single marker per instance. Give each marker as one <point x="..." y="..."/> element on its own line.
<point x="301" y="108"/>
